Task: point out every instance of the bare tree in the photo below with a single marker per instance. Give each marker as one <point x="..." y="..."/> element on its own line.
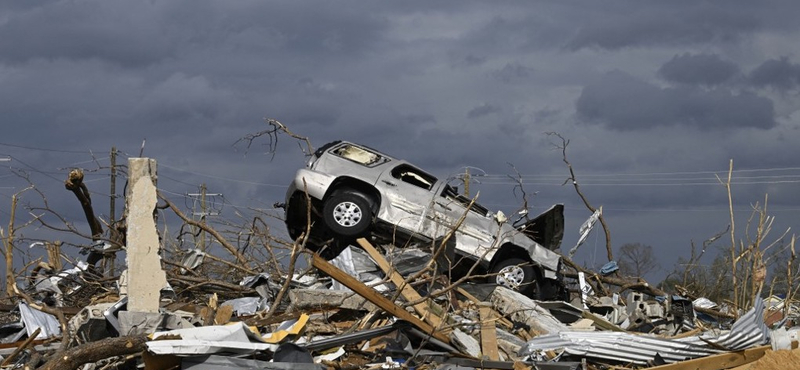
<point x="637" y="259"/>
<point x="574" y="180"/>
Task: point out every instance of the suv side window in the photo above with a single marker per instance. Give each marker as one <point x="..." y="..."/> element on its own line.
<point x="452" y="194"/>
<point x="413" y="176"/>
<point x="359" y="155"/>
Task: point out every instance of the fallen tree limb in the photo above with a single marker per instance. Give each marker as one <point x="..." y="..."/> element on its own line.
<point x="639" y="286"/>
<point x="714" y="313"/>
<point x="198" y="281"/>
<point x="96" y="351"/>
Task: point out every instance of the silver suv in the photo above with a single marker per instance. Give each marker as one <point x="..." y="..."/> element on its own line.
<point x="357" y="191"/>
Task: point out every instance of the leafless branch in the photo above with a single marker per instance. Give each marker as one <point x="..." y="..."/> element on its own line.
<point x="574" y="180"/>
<point x="273" y="134"/>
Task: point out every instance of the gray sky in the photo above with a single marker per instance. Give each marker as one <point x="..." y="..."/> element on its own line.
<point x="655" y="97"/>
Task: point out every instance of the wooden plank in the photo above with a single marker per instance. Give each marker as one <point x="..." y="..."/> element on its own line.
<point x="502" y="320"/>
<point x="406" y="290"/>
<point x="21" y="348"/>
<point x="488" y="334"/>
<point x="601" y="322"/>
<point x="718" y="362"/>
<point x="374" y="297"/>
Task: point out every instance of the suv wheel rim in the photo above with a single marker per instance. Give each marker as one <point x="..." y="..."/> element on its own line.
<point x="511" y="277"/>
<point x="347" y="214"/>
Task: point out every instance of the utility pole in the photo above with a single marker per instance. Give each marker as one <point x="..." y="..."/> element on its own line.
<point x="466" y="178"/>
<point x="112" y="206"/>
<point x="109" y="258"/>
<point x="9" y="244"/>
<point x="466" y="181"/>
<point x="203" y="211"/>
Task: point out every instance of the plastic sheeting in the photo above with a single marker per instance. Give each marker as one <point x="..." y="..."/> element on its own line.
<point x="33" y="319"/>
<point x="247" y="305"/>
<point x="236" y="338"/>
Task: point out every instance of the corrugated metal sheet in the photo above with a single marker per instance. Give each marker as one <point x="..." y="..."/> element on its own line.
<point x="746" y="332"/>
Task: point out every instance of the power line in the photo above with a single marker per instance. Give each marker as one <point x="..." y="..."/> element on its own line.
<point x="797" y="176"/>
<point x="176" y="180"/>
<point x="714" y="183"/>
<point x="670" y="210"/>
<point x="656" y="173"/>
<point x="34" y="169"/>
<point x="45" y="149"/>
<point x="220" y="177"/>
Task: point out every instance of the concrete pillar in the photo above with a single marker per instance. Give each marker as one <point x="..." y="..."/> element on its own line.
<point x="145" y="276"/>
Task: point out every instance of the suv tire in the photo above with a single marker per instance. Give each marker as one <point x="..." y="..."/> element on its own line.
<point x="348" y="214"/>
<point x="516" y="274"/>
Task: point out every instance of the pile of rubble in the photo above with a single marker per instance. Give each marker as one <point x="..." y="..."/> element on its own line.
<point x="360" y="310"/>
<point x="368" y="308"/>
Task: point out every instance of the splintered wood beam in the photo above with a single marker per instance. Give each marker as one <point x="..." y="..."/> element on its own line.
<point x="488" y="334"/>
<point x="406" y="290"/>
<point x="374" y="297"/>
<point x="721" y="361"/>
<point x="502" y="320"/>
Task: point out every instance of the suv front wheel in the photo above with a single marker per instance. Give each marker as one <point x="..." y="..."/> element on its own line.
<point x="348" y="214"/>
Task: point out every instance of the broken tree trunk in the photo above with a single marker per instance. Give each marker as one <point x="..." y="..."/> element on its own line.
<point x="639" y="286"/>
<point x="74" y="183"/>
<point x="95" y="351"/>
<point x="9" y="252"/>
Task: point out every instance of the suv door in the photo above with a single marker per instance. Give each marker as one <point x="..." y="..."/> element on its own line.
<point x="407" y="198"/>
<point x="477" y="233"/>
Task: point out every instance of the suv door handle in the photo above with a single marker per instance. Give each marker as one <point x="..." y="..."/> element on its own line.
<point x="387" y="182"/>
<point x="444" y="206"/>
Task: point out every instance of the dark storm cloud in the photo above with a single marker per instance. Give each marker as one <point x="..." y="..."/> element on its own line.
<point x="513" y="72"/>
<point x="621" y="102"/>
<point x="699" y="69"/>
<point x="184" y="99"/>
<point x="513" y="31"/>
<point x="139" y="34"/>
<point x="439" y="84"/>
<point x="482" y="110"/>
<point x="463" y="61"/>
<point x="651" y="25"/>
<point x="87" y="30"/>
<point x="416" y="119"/>
<point x="780" y="74"/>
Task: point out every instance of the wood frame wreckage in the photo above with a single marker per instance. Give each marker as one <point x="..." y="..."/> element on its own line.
<point x="365" y="309"/>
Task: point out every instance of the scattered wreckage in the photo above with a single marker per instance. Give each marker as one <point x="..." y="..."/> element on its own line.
<point x="362" y="309"/>
<point x="356" y="191"/>
<point x="359" y="311"/>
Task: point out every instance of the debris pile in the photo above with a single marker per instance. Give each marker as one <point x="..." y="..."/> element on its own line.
<point x="373" y="306"/>
<point x="359" y="311"/>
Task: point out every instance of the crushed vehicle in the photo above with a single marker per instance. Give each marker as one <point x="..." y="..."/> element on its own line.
<point x="355" y="191"/>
